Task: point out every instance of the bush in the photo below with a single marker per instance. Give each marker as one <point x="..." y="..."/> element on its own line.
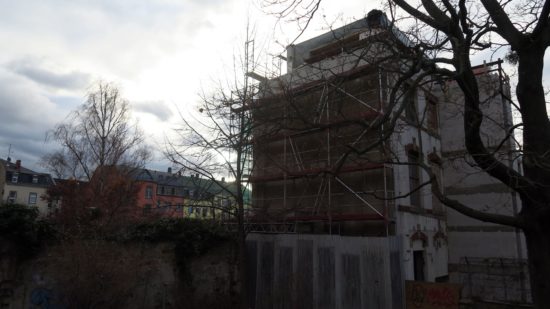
<point x="20" y="224"/>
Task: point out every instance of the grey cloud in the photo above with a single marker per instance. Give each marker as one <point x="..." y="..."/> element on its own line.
<point x="156" y="108"/>
<point x="25" y="117"/>
<point x="37" y="72"/>
<point x="29" y="152"/>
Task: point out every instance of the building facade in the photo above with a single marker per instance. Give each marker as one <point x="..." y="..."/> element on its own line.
<point x="168" y="194"/>
<point x="24" y="186"/>
<point x="328" y="161"/>
<point x="326" y="170"/>
<point x="488" y="259"/>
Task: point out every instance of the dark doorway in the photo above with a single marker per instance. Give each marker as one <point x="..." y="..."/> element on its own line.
<point x="419" y="263"/>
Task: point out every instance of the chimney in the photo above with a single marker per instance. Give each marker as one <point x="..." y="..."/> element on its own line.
<point x="169" y="170"/>
<point x="18" y="164"/>
<point x="9" y="160"/>
<point x="374" y="18"/>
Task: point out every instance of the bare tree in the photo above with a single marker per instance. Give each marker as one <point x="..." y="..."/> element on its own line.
<point x="215" y="145"/>
<point x="101" y="146"/>
<point x="441" y="38"/>
<point x="98" y="134"/>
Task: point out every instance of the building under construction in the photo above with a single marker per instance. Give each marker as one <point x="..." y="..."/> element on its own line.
<point x="331" y="157"/>
<point x="321" y="148"/>
<point x="307" y="171"/>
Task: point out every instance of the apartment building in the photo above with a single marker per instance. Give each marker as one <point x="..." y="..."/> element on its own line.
<point x="169" y="194"/>
<point x="23" y="186"/>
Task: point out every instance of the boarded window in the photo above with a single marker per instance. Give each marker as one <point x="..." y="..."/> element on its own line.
<point x="409" y="100"/>
<point x="414" y="179"/>
<point x="436" y="203"/>
<point x="431" y="114"/>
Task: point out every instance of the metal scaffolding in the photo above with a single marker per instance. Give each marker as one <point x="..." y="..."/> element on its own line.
<point x="312" y="168"/>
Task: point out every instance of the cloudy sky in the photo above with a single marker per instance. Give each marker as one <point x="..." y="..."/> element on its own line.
<point x="160" y="52"/>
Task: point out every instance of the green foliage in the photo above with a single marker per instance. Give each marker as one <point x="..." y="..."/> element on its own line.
<point x="21" y="225"/>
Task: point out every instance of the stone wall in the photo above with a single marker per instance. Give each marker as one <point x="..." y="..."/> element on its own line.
<point x="493" y="279"/>
<point x="99" y="274"/>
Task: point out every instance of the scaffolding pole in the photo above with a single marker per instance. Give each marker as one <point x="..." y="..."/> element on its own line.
<point x="359" y="197"/>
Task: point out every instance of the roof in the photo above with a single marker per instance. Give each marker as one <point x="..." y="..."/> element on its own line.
<point x="193" y="182"/>
<point x="25" y="175"/>
<point x="300" y="53"/>
<point x="177" y="180"/>
<point x="11" y="167"/>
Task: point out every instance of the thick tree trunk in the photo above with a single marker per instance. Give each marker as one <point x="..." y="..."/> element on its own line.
<point x="536" y="160"/>
<point x="537" y="237"/>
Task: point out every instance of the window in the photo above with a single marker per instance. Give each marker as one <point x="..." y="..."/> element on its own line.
<point x="15" y="177"/>
<point x="414" y="179"/>
<point x="12" y="197"/>
<point x="190" y="210"/>
<point x="179" y="207"/>
<point x="409" y="99"/>
<point x="437" y="206"/>
<point x="149" y="192"/>
<point x="226" y="203"/>
<point x="34" y="178"/>
<point x="32" y="198"/>
<point x="431" y="114"/>
<point x="173" y="191"/>
<point x="162" y="190"/>
<point x="204" y="212"/>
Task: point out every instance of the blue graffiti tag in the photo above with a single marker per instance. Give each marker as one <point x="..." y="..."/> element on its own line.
<point x="42" y="297"/>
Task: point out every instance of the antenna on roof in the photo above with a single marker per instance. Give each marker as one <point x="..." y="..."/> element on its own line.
<point x="9" y="153"/>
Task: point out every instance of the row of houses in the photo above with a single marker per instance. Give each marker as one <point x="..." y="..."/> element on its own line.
<point x="159" y="194"/>
<point x="173" y="195"/>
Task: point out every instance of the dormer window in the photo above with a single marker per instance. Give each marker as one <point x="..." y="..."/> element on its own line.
<point x="15" y="177"/>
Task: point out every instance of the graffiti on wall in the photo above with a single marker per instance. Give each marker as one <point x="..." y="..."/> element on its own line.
<point x="427" y="295"/>
<point x="42" y="296"/>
